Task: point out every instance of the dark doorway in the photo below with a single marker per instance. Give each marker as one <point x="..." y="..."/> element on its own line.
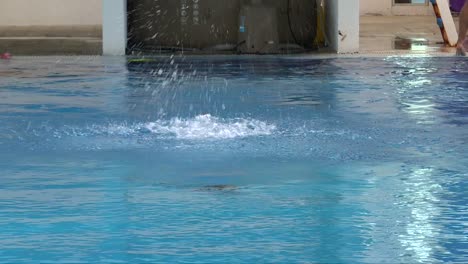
<point x="211" y="26"/>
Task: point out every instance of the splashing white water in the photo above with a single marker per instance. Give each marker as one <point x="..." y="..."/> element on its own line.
<point x="207" y="126"/>
<point x="199" y="127"/>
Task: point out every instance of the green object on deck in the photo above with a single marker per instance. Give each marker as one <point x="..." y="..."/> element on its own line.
<point x="140" y="60"/>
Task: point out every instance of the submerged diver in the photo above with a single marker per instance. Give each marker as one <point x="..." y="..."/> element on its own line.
<point x="462" y="30"/>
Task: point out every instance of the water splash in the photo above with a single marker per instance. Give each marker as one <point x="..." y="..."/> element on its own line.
<point x="209" y="127"/>
<point x="197" y="128"/>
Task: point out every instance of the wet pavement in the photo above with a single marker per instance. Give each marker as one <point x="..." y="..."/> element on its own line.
<point x="412" y="35"/>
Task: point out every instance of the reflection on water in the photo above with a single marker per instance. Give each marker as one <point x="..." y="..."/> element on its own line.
<point x="412" y="90"/>
<point x="414" y="44"/>
<point x="420" y="197"/>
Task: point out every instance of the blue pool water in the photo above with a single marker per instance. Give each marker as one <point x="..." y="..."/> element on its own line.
<point x="234" y="160"/>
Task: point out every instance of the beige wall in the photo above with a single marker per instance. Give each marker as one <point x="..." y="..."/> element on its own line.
<point x="50" y="12"/>
<point x="376" y="7"/>
<point x="386" y="8"/>
<point x="89" y="12"/>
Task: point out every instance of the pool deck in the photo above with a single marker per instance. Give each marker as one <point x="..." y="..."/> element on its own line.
<point x="379" y="36"/>
<point x="402" y="35"/>
<point x="51" y="40"/>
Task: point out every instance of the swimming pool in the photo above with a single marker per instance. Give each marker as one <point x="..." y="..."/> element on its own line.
<point x="234" y="159"/>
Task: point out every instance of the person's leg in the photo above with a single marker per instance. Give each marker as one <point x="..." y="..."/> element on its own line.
<point x="462" y="30"/>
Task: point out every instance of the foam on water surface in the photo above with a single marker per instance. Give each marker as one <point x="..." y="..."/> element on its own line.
<point x="209" y="127"/>
<point x="198" y="128"/>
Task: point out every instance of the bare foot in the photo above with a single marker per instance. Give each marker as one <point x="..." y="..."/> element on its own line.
<point x="461" y="50"/>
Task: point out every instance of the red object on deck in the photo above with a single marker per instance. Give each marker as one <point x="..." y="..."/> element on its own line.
<point x="5" y="56"/>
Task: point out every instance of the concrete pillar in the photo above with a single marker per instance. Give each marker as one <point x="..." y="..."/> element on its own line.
<point x="114" y="27"/>
<point x="343" y="25"/>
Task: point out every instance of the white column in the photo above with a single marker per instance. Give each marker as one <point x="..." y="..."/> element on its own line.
<point x="343" y="25"/>
<point x="114" y="27"/>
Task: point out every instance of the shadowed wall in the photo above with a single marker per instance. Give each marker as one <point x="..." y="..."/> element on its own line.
<point x="207" y="23"/>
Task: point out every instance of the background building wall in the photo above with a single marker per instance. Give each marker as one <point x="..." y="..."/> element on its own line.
<point x="89" y="12"/>
<point x="50" y="12"/>
<point x="376" y="7"/>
